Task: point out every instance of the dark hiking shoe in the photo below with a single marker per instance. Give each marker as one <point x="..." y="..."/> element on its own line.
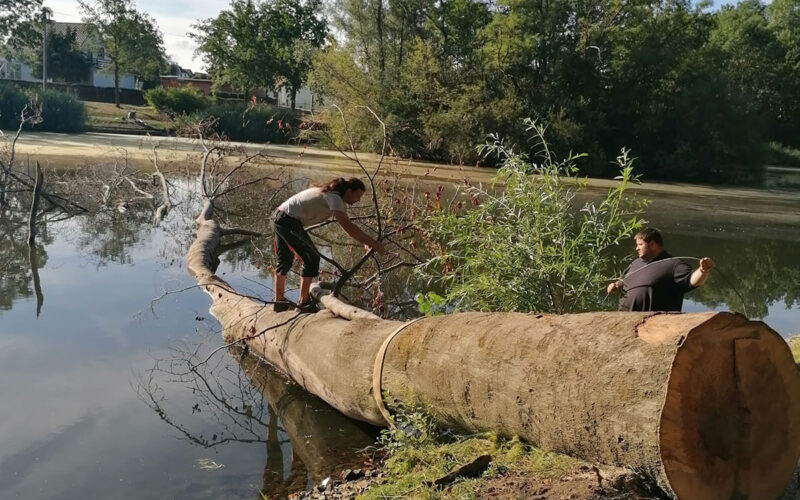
<point x="281" y="306"/>
<point x="309" y="307"/>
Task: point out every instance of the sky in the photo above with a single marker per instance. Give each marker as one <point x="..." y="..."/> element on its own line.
<point x="174" y="19"/>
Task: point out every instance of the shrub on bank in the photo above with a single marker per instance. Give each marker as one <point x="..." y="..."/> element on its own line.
<point x="61" y="112"/>
<point x="12" y="101"/>
<point x="240" y="121"/>
<point x="177" y="101"/>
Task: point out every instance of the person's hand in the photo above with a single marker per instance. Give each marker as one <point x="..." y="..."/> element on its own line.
<point x="611" y="287"/>
<point x="706" y="264"/>
<point x="378" y="246"/>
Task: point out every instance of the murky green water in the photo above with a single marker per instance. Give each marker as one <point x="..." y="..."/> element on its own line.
<point x="101" y="397"/>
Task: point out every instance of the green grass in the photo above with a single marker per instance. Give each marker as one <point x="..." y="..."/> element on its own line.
<point x="415" y="460"/>
<point x="106" y="114"/>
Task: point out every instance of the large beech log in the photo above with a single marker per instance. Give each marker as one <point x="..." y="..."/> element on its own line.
<point x="708" y="403"/>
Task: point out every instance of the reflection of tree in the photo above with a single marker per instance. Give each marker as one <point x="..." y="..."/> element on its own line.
<point x="252" y="403"/>
<point x="764" y="271"/>
<point x="109" y="234"/>
<point x="19" y="265"/>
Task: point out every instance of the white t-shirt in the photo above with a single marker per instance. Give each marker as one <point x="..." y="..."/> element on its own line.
<point x="312" y="206"/>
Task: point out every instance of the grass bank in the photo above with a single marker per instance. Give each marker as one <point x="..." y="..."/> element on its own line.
<point x="420" y="462"/>
<point x="107" y="115"/>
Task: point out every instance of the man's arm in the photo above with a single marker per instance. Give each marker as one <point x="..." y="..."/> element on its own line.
<point x="356" y="233"/>
<point x="700" y="275"/>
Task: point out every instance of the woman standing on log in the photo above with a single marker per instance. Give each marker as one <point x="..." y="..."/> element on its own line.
<point x="306" y="208"/>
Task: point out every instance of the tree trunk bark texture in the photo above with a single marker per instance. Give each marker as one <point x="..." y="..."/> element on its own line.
<point x="116" y="84"/>
<point x="706" y="403"/>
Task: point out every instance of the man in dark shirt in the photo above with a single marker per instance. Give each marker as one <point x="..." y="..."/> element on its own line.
<point x="656" y="281"/>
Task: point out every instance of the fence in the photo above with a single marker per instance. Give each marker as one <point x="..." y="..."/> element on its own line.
<point x="88" y="92"/>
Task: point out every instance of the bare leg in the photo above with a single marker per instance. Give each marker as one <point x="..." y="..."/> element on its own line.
<point x="305" y="285"/>
<point x="280" y="286"/>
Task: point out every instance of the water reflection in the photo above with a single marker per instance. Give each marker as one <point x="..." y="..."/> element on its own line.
<point x="257" y="404"/>
<point x="323" y="440"/>
<point x="19" y="263"/>
<point x="764" y="271"/>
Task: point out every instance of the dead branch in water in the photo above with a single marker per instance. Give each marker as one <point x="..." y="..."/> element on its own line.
<point x="37" y="192"/>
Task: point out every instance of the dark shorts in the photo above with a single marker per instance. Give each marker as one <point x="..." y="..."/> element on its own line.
<point x="290" y="239"/>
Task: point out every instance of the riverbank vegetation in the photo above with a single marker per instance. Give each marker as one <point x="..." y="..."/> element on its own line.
<point x="694" y="92"/>
<point x="526" y="246"/>
<point x="59" y="112"/>
<point x="422" y="462"/>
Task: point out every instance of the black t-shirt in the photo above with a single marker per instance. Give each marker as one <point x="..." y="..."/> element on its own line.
<point x="658" y="287"/>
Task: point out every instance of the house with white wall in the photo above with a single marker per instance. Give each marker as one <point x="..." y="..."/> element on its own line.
<point x="100" y="75"/>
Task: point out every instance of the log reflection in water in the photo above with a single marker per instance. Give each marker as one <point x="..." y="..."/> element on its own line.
<point x="253" y="403"/>
<point x="324" y="439"/>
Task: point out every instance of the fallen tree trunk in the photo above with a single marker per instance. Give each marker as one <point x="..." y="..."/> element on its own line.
<point x="707" y="403"/>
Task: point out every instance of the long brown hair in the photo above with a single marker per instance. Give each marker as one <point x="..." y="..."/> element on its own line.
<point x="340" y="185"/>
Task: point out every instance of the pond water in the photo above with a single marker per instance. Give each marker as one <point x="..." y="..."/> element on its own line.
<point x="101" y="397"/>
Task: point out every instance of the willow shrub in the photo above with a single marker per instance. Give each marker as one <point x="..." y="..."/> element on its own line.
<point x="526" y="246"/>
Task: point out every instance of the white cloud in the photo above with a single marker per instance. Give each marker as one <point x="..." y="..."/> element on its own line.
<point x="174" y="19"/>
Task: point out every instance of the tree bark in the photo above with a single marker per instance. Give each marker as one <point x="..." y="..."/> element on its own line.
<point x="706" y="403"/>
<point x="37" y="194"/>
<point x="381" y="50"/>
<point x="33" y="260"/>
<point x="116" y="83"/>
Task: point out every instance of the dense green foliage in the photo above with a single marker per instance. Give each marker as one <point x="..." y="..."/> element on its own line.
<point x="695" y="93"/>
<point x="17" y="20"/>
<point x="177" y="100"/>
<point x="527" y="247"/>
<point x="61" y="112"/>
<point x="65" y="60"/>
<point x="129" y="39"/>
<point x="12" y="100"/>
<point x="262" y="44"/>
<point x="241" y="121"/>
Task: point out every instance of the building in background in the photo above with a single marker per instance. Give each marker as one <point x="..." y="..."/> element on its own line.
<point x="304" y="100"/>
<point x="100" y="74"/>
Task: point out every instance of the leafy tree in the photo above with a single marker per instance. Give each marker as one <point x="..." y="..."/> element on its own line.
<point x="753" y="57"/>
<point x="129" y="39"/>
<point x="784" y="21"/>
<point x="257" y="44"/>
<point x="692" y="91"/>
<point x="65" y="60"/>
<point x="300" y="32"/>
<point x="17" y="18"/>
<point x="526" y="247"/>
